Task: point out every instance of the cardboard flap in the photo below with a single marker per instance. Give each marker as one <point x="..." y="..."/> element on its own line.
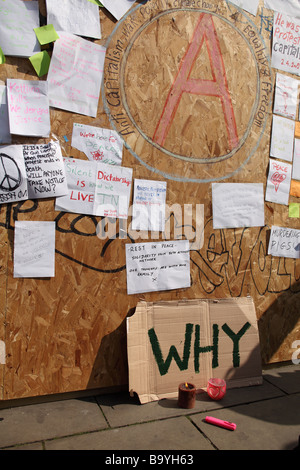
<point x="192" y="340"/>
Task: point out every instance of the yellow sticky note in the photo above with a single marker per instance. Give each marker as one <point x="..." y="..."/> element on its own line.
<point x="2" y="57"/>
<point x="40" y="62"/>
<point x="294" y="209"/>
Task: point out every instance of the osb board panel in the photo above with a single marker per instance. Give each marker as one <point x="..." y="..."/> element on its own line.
<point x="68" y="333"/>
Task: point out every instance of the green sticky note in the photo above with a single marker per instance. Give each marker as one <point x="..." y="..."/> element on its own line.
<point x="40" y="62"/>
<point x="46" y="34"/>
<point x="2" y="57"/>
<point x="294" y="209"/>
<point x="96" y="2"/>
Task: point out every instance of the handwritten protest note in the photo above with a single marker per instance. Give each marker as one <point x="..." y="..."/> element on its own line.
<point x="45" y="170"/>
<point x="149" y="205"/>
<point x="284" y="242"/>
<point x="296" y="160"/>
<point x="17" y="21"/>
<point x="74" y="16"/>
<point x="28" y="107"/>
<point x="237" y="205"/>
<point x="98" y="144"/>
<point x="5" y="136"/>
<point x="278" y="182"/>
<point x="13" y="177"/>
<point x="286" y="43"/>
<point x="282" y="139"/>
<point x="75" y="74"/>
<point x="286" y="94"/>
<point x="157" y="266"/>
<point x="117" y="8"/>
<point x="34" y="249"/>
<point x="248" y="5"/>
<point x="95" y="188"/>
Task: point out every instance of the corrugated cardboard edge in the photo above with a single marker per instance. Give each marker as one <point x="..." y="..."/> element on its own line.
<point x="138" y="348"/>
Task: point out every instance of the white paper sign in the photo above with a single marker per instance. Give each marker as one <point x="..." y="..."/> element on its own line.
<point x="157" y="266"/>
<point x="5" y="136"/>
<point x="282" y="140"/>
<point x="284" y="242"/>
<point x="74" y="16"/>
<point x="75" y="74"/>
<point x="286" y="94"/>
<point x="17" y="20"/>
<point x="28" y="107"/>
<point x="289" y="7"/>
<point x="34" y="249"/>
<point x="13" y="178"/>
<point x="296" y="160"/>
<point x="98" y="144"/>
<point x="45" y="170"/>
<point x="112" y="192"/>
<point x="285" y="46"/>
<point x="279" y="182"/>
<point x="118" y="8"/>
<point x="237" y="205"/>
<point x="149" y="205"/>
<point x="248" y="5"/>
<point x="96" y="189"/>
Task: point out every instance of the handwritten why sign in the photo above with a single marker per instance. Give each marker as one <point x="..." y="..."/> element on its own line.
<point x="278" y="182"/>
<point x="286" y="43"/>
<point x="28" y="107"/>
<point x="45" y="170"/>
<point x="284" y="242"/>
<point x="157" y="266"/>
<point x="99" y="144"/>
<point x="75" y="74"/>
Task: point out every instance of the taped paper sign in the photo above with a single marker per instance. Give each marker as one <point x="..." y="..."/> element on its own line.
<point x="157" y="266"/>
<point x="13" y="177"/>
<point x="237" y="205"/>
<point x="282" y="140"/>
<point x="191" y="341"/>
<point x="149" y="205"/>
<point x="28" y="107"/>
<point x="286" y="94"/>
<point x="286" y="42"/>
<point x="2" y="352"/>
<point x="118" y="8"/>
<point x="45" y="170"/>
<point x="98" y="144"/>
<point x="296" y="160"/>
<point x="289" y="7"/>
<point x="74" y="16"/>
<point x="279" y="182"/>
<point x="284" y="242"/>
<point x="34" y="249"/>
<point x="248" y="5"/>
<point x="75" y="74"/>
<point x="17" y="22"/>
<point x="96" y="189"/>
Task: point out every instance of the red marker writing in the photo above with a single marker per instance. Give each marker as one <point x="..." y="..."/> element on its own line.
<point x="221" y="423"/>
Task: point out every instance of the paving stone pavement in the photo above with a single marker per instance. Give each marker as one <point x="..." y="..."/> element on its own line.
<point x="267" y="418"/>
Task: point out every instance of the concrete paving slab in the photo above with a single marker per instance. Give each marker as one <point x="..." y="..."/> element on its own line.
<point x="32" y="423"/>
<point x="121" y="409"/>
<point x="174" y="433"/>
<point x="268" y="425"/>
<point x="285" y="378"/>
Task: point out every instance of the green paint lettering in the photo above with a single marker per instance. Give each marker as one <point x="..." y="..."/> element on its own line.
<point x="235" y="337"/>
<point x="204" y="349"/>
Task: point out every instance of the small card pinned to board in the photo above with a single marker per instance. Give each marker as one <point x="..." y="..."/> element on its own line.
<point x="191" y="341"/>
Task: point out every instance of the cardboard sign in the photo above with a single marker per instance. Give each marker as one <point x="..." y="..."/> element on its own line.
<point x="191" y="341"/>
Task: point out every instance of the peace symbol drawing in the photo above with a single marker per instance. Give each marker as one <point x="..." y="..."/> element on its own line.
<point x="10" y="175"/>
<point x="188" y="85"/>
